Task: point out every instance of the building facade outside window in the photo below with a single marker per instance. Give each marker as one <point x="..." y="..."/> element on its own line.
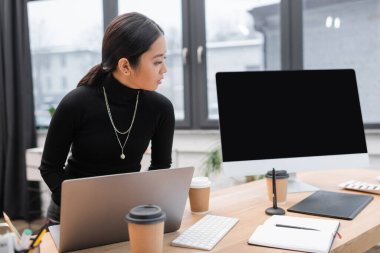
<point x="346" y="34"/>
<point x="236" y="39"/>
<point x="242" y="35"/>
<point x="65" y="43"/>
<point x="172" y="85"/>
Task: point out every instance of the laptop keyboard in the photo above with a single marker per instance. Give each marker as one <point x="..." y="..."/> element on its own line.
<point x="205" y="233"/>
<point x="55" y="234"/>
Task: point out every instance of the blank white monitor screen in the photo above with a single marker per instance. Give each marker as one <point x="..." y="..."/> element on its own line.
<point x="290" y="120"/>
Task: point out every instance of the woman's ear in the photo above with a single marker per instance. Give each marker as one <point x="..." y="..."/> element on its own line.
<point x="124" y="66"/>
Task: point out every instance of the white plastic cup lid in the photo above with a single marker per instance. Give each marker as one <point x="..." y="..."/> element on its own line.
<point x="200" y="182"/>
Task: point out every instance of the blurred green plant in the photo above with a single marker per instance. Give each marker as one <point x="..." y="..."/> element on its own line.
<point x="51" y="110"/>
<point x="213" y="162"/>
<point x="212" y="165"/>
<point x="253" y="178"/>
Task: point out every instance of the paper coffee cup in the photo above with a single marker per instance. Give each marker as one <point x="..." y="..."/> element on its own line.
<point x="146" y="229"/>
<point x="281" y="186"/>
<point x="199" y="195"/>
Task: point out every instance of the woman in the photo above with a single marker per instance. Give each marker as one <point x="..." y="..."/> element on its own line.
<point x="113" y="114"/>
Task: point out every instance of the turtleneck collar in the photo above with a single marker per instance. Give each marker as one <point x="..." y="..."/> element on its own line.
<point x="118" y="92"/>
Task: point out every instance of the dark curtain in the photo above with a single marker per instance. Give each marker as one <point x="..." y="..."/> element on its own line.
<point x="17" y="127"/>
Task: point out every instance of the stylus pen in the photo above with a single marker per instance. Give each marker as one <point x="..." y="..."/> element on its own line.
<point x="296" y="227"/>
<point x="274" y="188"/>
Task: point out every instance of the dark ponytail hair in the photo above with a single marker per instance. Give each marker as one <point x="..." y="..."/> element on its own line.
<point x="127" y="36"/>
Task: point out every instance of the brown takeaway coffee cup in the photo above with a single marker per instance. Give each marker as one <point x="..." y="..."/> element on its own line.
<point x="199" y="195"/>
<point x="281" y="185"/>
<point x="146" y="229"/>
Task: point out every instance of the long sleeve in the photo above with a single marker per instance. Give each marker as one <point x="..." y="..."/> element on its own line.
<point x="57" y="146"/>
<point x="162" y="140"/>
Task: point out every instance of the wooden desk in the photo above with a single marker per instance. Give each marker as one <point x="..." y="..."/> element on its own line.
<point x="248" y="202"/>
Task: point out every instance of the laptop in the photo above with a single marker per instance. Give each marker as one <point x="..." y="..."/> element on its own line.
<point x="93" y="209"/>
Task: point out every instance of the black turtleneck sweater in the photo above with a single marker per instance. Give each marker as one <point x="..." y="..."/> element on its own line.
<point x="81" y="122"/>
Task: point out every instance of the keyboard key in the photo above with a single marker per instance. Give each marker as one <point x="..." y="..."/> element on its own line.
<point x="360" y="186"/>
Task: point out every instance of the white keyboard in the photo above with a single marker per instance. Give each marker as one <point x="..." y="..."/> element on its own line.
<point x="205" y="233"/>
<point x="361" y="186"/>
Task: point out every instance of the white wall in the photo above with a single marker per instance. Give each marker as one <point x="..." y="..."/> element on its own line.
<point x="190" y="148"/>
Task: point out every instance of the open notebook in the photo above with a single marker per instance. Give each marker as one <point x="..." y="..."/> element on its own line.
<point x="285" y="232"/>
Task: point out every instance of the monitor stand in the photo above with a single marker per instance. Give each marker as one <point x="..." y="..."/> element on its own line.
<point x="295" y="185"/>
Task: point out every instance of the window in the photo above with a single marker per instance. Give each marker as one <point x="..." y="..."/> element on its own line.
<point x="346" y="34"/>
<point x="63" y="33"/>
<point x="172" y="86"/>
<point x="48" y="83"/>
<point x="63" y="60"/>
<point x="64" y="82"/>
<point x="207" y="36"/>
<point x="240" y="36"/>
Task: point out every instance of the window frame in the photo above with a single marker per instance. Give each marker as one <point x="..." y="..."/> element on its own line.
<point x="195" y="74"/>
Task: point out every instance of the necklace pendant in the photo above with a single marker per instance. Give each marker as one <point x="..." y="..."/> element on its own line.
<point x="122" y="156"/>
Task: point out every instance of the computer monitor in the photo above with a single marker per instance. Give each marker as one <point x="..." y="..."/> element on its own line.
<point x="290" y="120"/>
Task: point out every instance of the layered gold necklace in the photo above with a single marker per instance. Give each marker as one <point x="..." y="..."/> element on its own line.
<point x="128" y="131"/>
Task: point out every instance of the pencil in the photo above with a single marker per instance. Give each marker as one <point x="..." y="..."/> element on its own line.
<point x="11" y="227"/>
<point x="39" y="236"/>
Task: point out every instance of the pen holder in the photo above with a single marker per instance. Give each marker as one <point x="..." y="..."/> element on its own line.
<point x="35" y="249"/>
<point x="9" y="243"/>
